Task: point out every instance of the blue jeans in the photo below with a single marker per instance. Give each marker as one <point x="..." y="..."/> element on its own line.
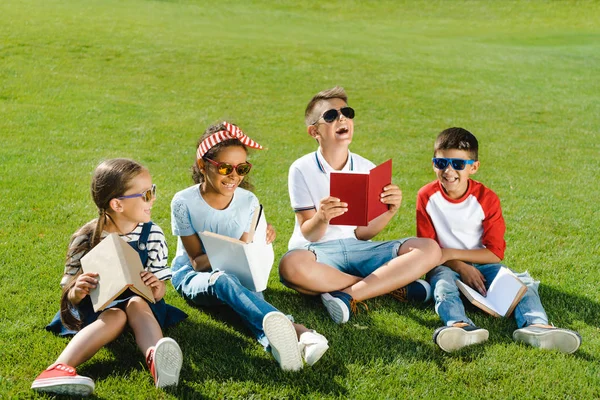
<point x="450" y="308"/>
<point x="205" y="290"/>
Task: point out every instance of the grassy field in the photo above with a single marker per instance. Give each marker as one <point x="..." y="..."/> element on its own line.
<point x="82" y="81"/>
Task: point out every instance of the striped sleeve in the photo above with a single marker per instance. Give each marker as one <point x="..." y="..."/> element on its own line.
<point x="158" y="254"/>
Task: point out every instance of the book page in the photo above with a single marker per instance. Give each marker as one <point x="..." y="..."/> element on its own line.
<point x="503" y="290"/>
<point x="474" y="295"/>
<point x="251" y="263"/>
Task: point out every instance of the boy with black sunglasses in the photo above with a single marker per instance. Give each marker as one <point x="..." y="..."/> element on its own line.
<point x="340" y="263"/>
<point x="465" y="218"/>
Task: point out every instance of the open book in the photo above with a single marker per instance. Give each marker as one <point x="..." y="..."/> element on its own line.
<point x="118" y="266"/>
<point x="504" y="294"/>
<point x="249" y="261"/>
<point x="361" y="190"/>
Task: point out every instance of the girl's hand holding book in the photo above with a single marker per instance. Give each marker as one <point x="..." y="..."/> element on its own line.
<point x="83" y="284"/>
<point x="158" y="287"/>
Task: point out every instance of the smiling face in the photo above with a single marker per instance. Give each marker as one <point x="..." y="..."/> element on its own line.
<point x="129" y="212"/>
<point x="455" y="183"/>
<point x="218" y="189"/>
<point x="335" y="133"/>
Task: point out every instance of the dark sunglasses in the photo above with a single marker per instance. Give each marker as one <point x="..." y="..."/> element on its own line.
<point x="146" y="195"/>
<point x="457" y="163"/>
<point x="333" y="114"/>
<point x="224" y="168"/>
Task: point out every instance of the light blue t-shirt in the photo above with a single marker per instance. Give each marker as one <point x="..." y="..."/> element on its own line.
<point x="190" y="214"/>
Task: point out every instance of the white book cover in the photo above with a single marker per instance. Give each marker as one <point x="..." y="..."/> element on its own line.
<point x="250" y="262"/>
<point x="503" y="295"/>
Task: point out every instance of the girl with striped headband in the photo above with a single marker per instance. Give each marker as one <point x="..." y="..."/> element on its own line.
<point x="219" y="203"/>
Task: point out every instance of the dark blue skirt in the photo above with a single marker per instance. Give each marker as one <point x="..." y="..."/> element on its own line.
<point x="166" y="315"/>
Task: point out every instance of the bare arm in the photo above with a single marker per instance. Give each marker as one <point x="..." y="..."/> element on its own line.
<point x="193" y="248"/>
<point x="314" y="224"/>
<point x="457" y="259"/>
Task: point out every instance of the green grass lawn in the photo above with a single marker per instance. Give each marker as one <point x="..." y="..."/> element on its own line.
<point x="82" y="81"/>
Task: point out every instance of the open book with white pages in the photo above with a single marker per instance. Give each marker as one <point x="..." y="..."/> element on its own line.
<point x="502" y="297"/>
<point x="249" y="261"/>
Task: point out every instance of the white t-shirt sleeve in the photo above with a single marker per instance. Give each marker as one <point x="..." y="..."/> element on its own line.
<point x="298" y="189"/>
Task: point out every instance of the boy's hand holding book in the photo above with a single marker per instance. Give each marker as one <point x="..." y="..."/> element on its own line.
<point x="331" y="207"/>
<point x="392" y="196"/>
<point x="472" y="277"/>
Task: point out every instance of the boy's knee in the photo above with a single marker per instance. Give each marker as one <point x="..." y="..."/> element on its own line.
<point x="288" y="266"/>
<point x="527" y="279"/>
<point x="445" y="288"/>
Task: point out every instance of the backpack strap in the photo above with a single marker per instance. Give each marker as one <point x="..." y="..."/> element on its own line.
<point x="142" y="244"/>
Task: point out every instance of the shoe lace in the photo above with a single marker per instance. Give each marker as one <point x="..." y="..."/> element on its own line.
<point x="354" y="306"/>
<point x="400" y="294"/>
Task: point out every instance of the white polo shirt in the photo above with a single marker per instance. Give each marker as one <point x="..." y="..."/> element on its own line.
<point x="308" y="183"/>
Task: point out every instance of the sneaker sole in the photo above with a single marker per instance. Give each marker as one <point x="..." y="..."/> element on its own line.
<point x="282" y="337"/>
<point x="336" y="308"/>
<point x="452" y="339"/>
<point x="65" y="386"/>
<point x="552" y="339"/>
<point x="167" y="362"/>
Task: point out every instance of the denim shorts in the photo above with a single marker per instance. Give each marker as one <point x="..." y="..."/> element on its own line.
<point x="355" y="257"/>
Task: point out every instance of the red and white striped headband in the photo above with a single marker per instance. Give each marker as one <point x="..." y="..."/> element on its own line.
<point x="230" y="132"/>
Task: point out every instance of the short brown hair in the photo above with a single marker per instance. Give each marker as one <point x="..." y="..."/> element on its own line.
<point x="457" y="139"/>
<point x="336" y="92"/>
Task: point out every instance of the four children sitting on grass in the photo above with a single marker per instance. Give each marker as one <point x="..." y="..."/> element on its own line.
<point x="460" y="233"/>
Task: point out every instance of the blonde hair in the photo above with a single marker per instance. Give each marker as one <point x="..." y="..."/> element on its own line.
<point x="336" y="92"/>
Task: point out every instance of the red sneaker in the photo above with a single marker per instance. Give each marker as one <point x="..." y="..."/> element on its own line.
<point x="164" y="362"/>
<point x="63" y="379"/>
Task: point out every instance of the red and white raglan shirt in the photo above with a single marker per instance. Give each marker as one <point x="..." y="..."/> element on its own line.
<point x="472" y="222"/>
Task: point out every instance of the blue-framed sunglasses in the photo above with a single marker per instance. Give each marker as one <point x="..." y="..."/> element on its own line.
<point x="457" y="163"/>
<point x="146" y="195"/>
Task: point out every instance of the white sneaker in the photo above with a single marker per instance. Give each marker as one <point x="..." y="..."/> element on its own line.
<point x="165" y="362"/>
<point x="564" y="340"/>
<point x="282" y="337"/>
<point x="312" y="346"/>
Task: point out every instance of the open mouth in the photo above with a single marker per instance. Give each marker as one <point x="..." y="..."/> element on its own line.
<point x="342" y="130"/>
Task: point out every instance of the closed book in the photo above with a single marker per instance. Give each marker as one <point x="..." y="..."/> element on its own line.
<point x="250" y="261"/>
<point x="119" y="267"/>
<point x="362" y="191"/>
<point x="503" y="295"/>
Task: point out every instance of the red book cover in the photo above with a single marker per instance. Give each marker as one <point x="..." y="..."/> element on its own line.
<point x="361" y="190"/>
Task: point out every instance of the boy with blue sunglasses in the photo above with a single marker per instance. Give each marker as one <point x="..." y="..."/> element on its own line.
<point x="341" y="263"/>
<point x="465" y="218"/>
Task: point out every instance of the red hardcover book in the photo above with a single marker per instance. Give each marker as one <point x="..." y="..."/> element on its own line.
<point x="361" y="190"/>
